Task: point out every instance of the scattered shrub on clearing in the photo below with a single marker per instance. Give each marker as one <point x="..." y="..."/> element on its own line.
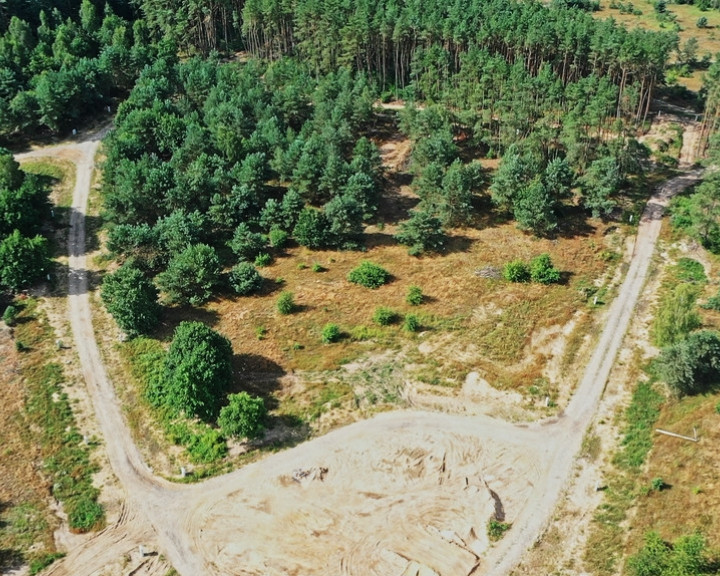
<point x="516" y="271"/>
<point x="245" y="279"/>
<point x="285" y="303"/>
<point x="330" y="333"/>
<point x="369" y="275"/>
<point x="412" y="323"/>
<point x="384" y="316"/>
<point x="414" y="296"/>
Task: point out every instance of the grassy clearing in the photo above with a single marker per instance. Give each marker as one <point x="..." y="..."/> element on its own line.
<point x="42" y="450"/>
<point x="606" y="541"/>
<point x="66" y="459"/>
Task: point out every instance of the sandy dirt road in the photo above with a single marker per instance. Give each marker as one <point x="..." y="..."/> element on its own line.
<point x="385" y="496"/>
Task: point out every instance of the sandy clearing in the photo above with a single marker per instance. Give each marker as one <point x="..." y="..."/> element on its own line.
<point x="386" y="499"/>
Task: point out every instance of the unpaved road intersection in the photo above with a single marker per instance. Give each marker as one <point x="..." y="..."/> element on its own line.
<point x="400" y="493"/>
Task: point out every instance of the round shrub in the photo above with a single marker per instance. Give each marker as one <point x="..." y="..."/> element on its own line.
<point x="285" y="303"/>
<point x="384" y="316"/>
<point x="243" y="417"/>
<point x="10" y="315"/>
<point x="516" y="271"/>
<point x="330" y="333"/>
<point x="412" y="323"/>
<point x="414" y="296"/>
<point x="278" y="238"/>
<point x="245" y="279"/>
<point x="543" y="271"/>
<point x="263" y="259"/>
<point x="369" y="275"/>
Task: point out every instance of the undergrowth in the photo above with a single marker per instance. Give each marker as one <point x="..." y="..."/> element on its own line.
<point x="604" y="547"/>
<point x="65" y="457"/>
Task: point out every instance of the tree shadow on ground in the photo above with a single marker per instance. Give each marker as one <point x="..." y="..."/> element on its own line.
<point x="172" y="316"/>
<point x="573" y="223"/>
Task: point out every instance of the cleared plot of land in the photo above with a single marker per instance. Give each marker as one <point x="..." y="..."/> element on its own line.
<point x="400" y="494"/>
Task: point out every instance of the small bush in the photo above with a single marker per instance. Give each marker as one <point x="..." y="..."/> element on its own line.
<point x="84" y="514"/>
<point x="285" y="303"/>
<point x="260" y="332"/>
<point x="317" y="268"/>
<point x="689" y="270"/>
<point x="713" y="303"/>
<point x="206" y="447"/>
<point x="542" y="270"/>
<point x="302" y="266"/>
<point x="412" y="323"/>
<point x="278" y="238"/>
<point x="414" y="296"/>
<point x="369" y="275"/>
<point x="245" y="279"/>
<point x="702" y="22"/>
<point x="10" y="315"/>
<point x="263" y="259"/>
<point x="657" y="484"/>
<point x="384" y="316"/>
<point x="516" y="271"/>
<point x="496" y="529"/>
<point x="243" y="417"/>
<point x="717" y="408"/>
<point x="330" y="333"/>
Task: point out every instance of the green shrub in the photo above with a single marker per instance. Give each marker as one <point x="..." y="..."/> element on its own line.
<point x="369" y="275"/>
<point x="330" y="333"/>
<point x="302" y="266"/>
<point x="542" y="270"/>
<point x="657" y="484"/>
<point x="516" y="271"/>
<point x="260" y="332"/>
<point x="689" y="270"/>
<point x="285" y="303"/>
<point x="278" y="238"/>
<point x="496" y="529"/>
<point x="84" y="514"/>
<point x="384" y="316"/>
<point x="692" y="365"/>
<point x="263" y="259"/>
<point x="677" y="316"/>
<point x="207" y="447"/>
<point x="245" y="279"/>
<point x="317" y="267"/>
<point x="243" y="417"/>
<point x="414" y="296"/>
<point x="10" y="315"/>
<point x="38" y="564"/>
<point x="712" y="303"/>
<point x="412" y="323"/>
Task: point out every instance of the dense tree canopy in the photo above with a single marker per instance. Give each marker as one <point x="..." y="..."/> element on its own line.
<point x="132" y="300"/>
<point x="196" y="372"/>
<point x="24" y="208"/>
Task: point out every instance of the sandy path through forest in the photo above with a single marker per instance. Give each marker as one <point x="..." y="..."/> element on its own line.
<point x="331" y="525"/>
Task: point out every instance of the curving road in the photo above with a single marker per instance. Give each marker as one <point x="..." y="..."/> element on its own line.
<point x="170" y="514"/>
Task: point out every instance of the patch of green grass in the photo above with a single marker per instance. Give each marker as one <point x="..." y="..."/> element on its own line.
<point x="496" y="529"/>
<point x="506" y="339"/>
<point x="66" y="460"/>
<point x="38" y="564"/>
<point x="605" y="543"/>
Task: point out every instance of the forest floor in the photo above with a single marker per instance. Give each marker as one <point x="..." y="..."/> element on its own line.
<point x="387" y="495"/>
